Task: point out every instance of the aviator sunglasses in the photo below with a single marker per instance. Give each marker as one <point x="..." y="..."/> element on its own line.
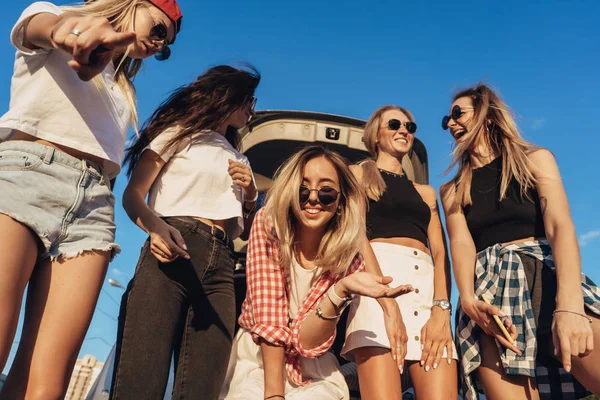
<point x="327" y="195"/>
<point x="159" y="33"/>
<point x="455" y="114"/>
<point x="395" y="124"/>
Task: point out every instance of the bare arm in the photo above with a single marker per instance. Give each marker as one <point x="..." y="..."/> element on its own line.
<point x="134" y="196"/>
<point x="571" y="333"/>
<point x="437" y="245"/>
<point x="167" y="243"/>
<point x="560" y="230"/>
<point x="462" y="248"/>
<point x="274" y="371"/>
<point x="38" y="31"/>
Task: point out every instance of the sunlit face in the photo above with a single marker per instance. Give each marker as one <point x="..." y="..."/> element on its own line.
<point x="394" y="142"/>
<point x="463" y="124"/>
<point x="147" y="17"/>
<point x="241" y="116"/>
<point x="319" y="173"/>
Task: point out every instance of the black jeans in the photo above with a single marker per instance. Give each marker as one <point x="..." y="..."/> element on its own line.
<point x="184" y="309"/>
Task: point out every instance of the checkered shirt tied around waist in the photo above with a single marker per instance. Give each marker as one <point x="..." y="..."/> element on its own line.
<point x="500" y="275"/>
<point x="265" y="312"/>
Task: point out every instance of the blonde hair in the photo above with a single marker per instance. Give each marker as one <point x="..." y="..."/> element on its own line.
<point x="121" y="15"/>
<point x="346" y="230"/>
<point x="372" y="181"/>
<point x="496" y="128"/>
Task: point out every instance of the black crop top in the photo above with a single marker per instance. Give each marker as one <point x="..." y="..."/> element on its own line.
<point x="491" y="221"/>
<point x="399" y="212"/>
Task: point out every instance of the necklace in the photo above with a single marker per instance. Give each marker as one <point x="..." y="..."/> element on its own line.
<point x="390" y="173"/>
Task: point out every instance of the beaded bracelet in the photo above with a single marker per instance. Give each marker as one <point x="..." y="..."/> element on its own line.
<point x="574" y="312"/>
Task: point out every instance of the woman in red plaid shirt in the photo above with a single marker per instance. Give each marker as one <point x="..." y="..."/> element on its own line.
<point x="303" y="268"/>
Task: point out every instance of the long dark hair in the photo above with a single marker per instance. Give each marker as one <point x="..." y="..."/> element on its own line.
<point x="204" y="104"/>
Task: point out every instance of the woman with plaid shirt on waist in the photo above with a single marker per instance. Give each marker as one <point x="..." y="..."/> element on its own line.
<point x="513" y="243"/>
<point x="303" y="267"/>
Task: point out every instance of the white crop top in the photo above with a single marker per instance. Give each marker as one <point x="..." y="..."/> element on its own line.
<point x="194" y="182"/>
<point x="50" y="102"/>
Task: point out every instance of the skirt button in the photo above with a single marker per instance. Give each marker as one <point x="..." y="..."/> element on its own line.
<point x="416" y="267"/>
<point x="417" y="338"/>
<point x="416" y="313"/>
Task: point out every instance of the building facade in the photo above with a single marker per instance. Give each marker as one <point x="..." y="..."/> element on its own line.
<point x="84" y="375"/>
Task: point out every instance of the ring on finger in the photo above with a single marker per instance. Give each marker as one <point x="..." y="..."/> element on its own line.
<point x="76" y="32"/>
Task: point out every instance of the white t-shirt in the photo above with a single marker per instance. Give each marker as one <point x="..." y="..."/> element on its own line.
<point x="49" y="101"/>
<point x="194" y="182"/>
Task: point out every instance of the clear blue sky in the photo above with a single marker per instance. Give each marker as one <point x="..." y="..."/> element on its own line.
<point x="349" y="57"/>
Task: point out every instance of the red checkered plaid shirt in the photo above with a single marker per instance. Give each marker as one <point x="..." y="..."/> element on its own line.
<point x="265" y="312"/>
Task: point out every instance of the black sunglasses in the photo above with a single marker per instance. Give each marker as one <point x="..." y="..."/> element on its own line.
<point x="327" y="195"/>
<point x="395" y="124"/>
<point x="159" y="33"/>
<point x="252" y="101"/>
<point x="455" y="114"/>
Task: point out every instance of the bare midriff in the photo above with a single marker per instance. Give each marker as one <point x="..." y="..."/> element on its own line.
<point x="403" y="241"/>
<point x="19" y="135"/>
<point x="527" y="239"/>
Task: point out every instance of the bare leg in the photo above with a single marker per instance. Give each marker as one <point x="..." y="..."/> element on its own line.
<point x="378" y="375"/>
<point x="60" y="304"/>
<point x="587" y="369"/>
<point x="437" y="384"/>
<point x="496" y="384"/>
<point x="18" y="252"/>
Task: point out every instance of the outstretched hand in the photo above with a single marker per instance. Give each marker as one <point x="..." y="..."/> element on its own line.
<point x="371" y="285"/>
<point x="92" y="41"/>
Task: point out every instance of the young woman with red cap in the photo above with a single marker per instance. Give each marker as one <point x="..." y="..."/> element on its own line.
<point x="61" y="142"/>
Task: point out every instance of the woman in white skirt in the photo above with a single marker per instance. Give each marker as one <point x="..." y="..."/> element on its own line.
<point x="404" y="228"/>
<point x="303" y="266"/>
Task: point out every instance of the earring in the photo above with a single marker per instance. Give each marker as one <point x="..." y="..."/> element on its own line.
<point x="339" y="211"/>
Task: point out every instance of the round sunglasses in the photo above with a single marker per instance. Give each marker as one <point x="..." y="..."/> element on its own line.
<point x="159" y="33"/>
<point x="455" y="114"/>
<point x="327" y="195"/>
<point x="395" y="124"/>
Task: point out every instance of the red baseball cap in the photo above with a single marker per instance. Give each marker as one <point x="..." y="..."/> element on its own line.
<point x="171" y="8"/>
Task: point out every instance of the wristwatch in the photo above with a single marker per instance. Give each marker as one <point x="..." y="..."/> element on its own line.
<point x="339" y="302"/>
<point x="443" y="304"/>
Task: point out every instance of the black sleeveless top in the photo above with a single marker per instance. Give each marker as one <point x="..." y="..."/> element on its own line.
<point x="492" y="221"/>
<point x="399" y="212"/>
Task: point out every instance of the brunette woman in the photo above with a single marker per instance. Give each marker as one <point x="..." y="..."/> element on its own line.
<point x="513" y="243"/>
<point x="201" y="196"/>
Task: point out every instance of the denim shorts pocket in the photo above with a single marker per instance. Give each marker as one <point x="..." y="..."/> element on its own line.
<point x="11" y="160"/>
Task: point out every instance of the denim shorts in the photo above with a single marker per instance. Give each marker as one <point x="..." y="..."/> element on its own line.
<point x="65" y="201"/>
